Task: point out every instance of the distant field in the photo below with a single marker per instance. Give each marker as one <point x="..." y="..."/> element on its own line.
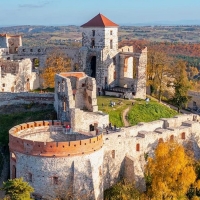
<point x="38" y="34"/>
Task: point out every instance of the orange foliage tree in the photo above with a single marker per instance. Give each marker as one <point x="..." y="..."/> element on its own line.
<point x="170" y="173"/>
<point x="56" y="62"/>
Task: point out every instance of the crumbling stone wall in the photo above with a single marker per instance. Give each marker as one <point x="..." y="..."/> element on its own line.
<point x="99" y="45"/>
<point x="8" y="98"/>
<point x="74" y="90"/>
<point x="194" y="102"/>
<point x="17" y="76"/>
<point x="14" y="42"/>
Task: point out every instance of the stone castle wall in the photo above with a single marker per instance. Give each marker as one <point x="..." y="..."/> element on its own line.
<point x="118" y="153"/>
<point x="195" y="99"/>
<point x="75" y="101"/>
<point x="40" y="163"/>
<point x="41" y="54"/>
<point x="8" y="98"/>
<point x="17" y="76"/>
<point x="101" y="37"/>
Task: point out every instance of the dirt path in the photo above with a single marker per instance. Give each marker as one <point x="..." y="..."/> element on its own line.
<point x="126" y="123"/>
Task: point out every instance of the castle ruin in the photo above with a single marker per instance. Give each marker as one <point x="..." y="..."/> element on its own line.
<point x="76" y="156"/>
<point x="99" y="57"/>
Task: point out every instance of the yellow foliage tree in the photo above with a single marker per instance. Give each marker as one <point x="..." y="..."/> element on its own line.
<point x="159" y="69"/>
<point x="56" y="62"/>
<point x="170" y="172"/>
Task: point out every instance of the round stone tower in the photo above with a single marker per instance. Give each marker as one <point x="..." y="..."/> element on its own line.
<point x="57" y="161"/>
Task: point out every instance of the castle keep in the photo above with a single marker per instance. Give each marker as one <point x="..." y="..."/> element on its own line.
<point x="99" y="57"/>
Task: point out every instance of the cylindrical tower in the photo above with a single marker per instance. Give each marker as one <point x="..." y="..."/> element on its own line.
<point x="56" y="161"/>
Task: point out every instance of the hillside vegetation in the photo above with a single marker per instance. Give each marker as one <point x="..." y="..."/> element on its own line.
<point x="7" y="121"/>
<point x="139" y="111"/>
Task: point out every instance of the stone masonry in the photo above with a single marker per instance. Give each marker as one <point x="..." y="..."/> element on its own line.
<point x="17" y="76"/>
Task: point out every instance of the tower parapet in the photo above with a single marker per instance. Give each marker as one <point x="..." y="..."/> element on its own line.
<point x="51" y="139"/>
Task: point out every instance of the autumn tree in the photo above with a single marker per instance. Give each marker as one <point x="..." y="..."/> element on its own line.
<point x="16" y="189"/>
<point x="122" y="191"/>
<point x="159" y="69"/>
<point x="56" y="62"/>
<point x="170" y="172"/>
<point x="181" y="86"/>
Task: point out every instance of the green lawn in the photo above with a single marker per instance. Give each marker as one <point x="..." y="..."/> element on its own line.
<point x="142" y="112"/>
<point x="139" y="112"/>
<point x="8" y="121"/>
<point x="115" y="113"/>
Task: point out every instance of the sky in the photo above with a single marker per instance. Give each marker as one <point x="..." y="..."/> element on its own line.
<point x="78" y="12"/>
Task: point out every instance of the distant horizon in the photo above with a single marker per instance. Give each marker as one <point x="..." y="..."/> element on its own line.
<point x="156" y="23"/>
<point x="78" y="12"/>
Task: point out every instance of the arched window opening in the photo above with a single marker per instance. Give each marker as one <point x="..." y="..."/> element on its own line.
<point x="183" y="136"/>
<point x="160" y="140"/>
<point x="138" y="147"/>
<point x="30" y="177"/>
<point x="55" y="180"/>
<point x="171" y="137"/>
<point x="36" y="63"/>
<point x="115" y="75"/>
<point x="91" y="127"/>
<point x="64" y="105"/>
<point x="93" y="33"/>
<point x="100" y="171"/>
<point x="113" y="153"/>
<point x="93" y="43"/>
<point x="111" y="44"/>
<point x="63" y="85"/>
<point x="13" y="171"/>
<point x="93" y="66"/>
<point x="58" y="86"/>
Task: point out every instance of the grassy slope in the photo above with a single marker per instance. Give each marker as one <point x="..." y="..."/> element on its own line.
<point x="140" y="112"/>
<point x="8" y="121"/>
<point x="115" y="113"/>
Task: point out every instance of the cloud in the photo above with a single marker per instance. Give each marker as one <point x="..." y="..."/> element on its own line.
<point x="39" y="5"/>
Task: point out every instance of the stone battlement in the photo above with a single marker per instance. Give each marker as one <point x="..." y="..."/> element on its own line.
<point x="18" y="141"/>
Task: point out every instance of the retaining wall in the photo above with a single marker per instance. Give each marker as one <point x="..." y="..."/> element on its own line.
<point x="9" y="98"/>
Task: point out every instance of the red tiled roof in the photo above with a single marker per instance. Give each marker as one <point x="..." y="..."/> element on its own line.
<point x="76" y="74"/>
<point x="99" y="21"/>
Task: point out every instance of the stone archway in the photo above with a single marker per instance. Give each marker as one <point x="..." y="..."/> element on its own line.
<point x="93" y="66"/>
<point x="36" y="63"/>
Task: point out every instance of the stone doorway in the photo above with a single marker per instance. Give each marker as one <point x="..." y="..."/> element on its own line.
<point x="93" y="67"/>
